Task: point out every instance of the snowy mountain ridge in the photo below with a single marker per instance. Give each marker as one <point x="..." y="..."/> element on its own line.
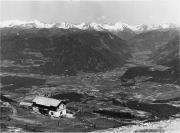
<point x="115" y="27"/>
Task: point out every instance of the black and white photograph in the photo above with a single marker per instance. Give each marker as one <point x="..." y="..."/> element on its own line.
<point x="98" y="66"/>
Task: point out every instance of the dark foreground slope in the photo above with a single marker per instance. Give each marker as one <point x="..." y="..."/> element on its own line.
<point x="60" y="51"/>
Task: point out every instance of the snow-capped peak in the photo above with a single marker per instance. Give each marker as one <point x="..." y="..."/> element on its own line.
<point x="25" y="24"/>
<point x="118" y="26"/>
<point x="167" y="25"/>
<point x="11" y="23"/>
<point x="96" y="26"/>
<point x="64" y="25"/>
<point x="121" y="25"/>
<point x="143" y="27"/>
<point x="82" y="26"/>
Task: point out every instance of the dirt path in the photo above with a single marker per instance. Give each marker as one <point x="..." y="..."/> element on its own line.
<point x="14" y="116"/>
<point x="24" y="120"/>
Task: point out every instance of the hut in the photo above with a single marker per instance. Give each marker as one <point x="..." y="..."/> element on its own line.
<point x="49" y="106"/>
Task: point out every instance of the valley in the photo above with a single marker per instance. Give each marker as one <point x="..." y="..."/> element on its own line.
<point x="106" y="81"/>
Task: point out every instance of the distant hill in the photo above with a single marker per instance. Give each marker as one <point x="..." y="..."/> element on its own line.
<point x="170" y="75"/>
<point x="164" y="48"/>
<point x="152" y="40"/>
<point x="62" y="51"/>
<point x="168" y="54"/>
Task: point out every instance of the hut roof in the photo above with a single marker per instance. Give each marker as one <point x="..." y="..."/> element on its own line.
<point x="46" y="101"/>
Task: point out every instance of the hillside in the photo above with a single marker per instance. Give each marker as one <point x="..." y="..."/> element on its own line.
<point x="61" y="51"/>
<point x="153" y="48"/>
<point x="152" y="40"/>
<point x="168" y="54"/>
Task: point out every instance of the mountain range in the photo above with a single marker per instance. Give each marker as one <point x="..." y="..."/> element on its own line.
<point x="113" y="27"/>
<point x="64" y="48"/>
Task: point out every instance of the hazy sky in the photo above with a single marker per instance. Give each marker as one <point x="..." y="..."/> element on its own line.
<point x="129" y="11"/>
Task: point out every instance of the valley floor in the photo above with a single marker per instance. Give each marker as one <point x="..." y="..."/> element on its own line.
<point x="101" y="102"/>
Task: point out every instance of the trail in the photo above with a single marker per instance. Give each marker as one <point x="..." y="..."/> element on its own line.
<point x="14" y="116"/>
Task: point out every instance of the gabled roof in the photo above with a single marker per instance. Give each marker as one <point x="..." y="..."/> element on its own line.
<point x="46" y="101"/>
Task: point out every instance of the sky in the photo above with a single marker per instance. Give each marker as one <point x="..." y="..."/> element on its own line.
<point x="132" y="12"/>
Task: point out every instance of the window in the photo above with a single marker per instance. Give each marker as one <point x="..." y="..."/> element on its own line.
<point x="52" y="113"/>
